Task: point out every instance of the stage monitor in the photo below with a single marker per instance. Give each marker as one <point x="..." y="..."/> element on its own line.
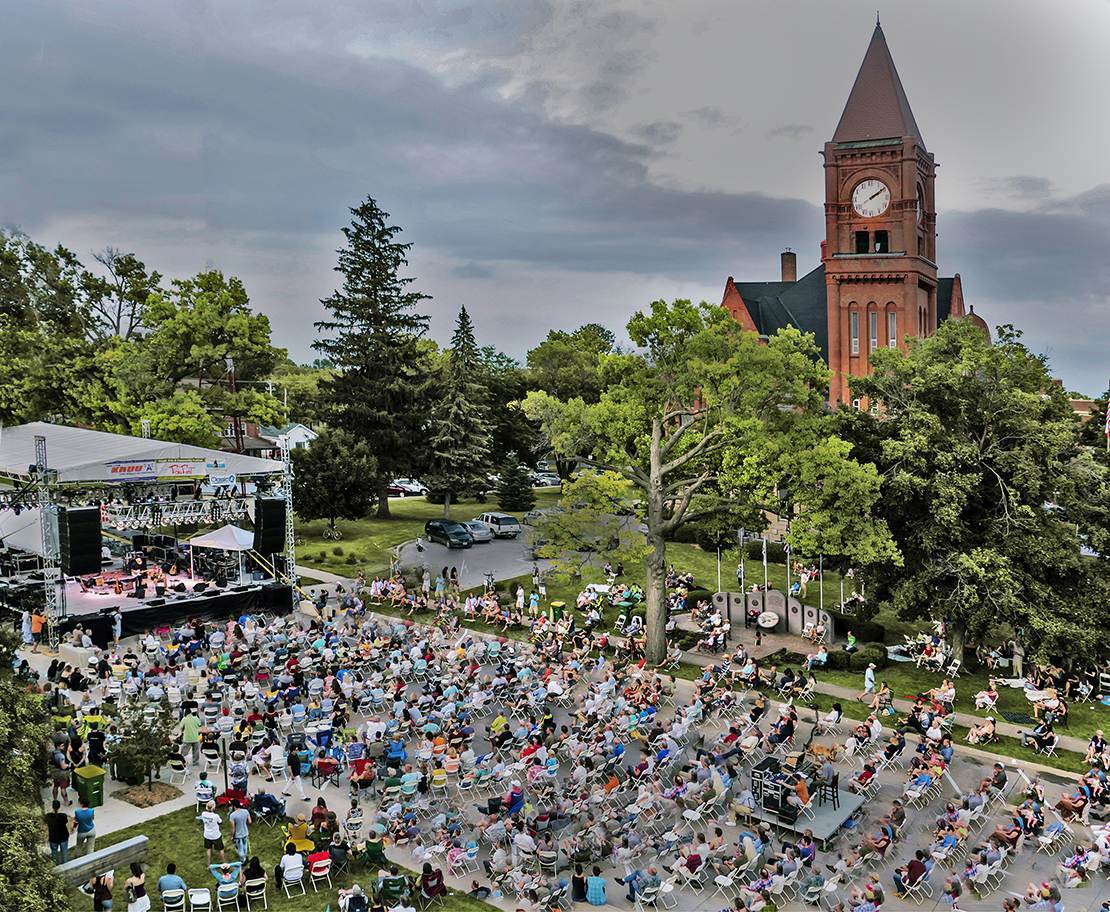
<point x="269" y="525"/>
<point x="79" y="539"/>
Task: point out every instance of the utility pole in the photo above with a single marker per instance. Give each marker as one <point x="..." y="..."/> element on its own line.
<point x="236" y="423"/>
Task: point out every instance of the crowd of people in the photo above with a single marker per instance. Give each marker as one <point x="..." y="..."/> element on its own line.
<point x="545" y="768"/>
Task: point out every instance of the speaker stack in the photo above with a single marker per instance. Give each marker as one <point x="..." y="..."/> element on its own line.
<point x="79" y="539"/>
<point x="269" y="525"/>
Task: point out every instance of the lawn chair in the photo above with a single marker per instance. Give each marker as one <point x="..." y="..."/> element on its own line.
<point x="200" y="900"/>
<point x="227" y="897"/>
<point x="320" y="870"/>
<point x="255" y="891"/>
<point x="173" y="901"/>
<point x="290" y="884"/>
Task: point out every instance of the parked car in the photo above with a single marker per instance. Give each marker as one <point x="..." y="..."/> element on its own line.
<point x="501" y="525"/>
<point x="448" y="532"/>
<point x="479" y="531"/>
<point x="546" y="480"/>
<point x="406" y="487"/>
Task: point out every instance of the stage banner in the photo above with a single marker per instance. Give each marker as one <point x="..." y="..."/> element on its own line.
<point x="181" y="468"/>
<point x="223" y="479"/>
<point x="133" y="470"/>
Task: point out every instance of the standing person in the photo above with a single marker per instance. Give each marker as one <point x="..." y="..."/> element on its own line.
<point x="240" y="820"/>
<point x="1019" y="658"/>
<point x="454" y="589"/>
<point x="83" y="817"/>
<point x="212" y="838"/>
<point x="137" y="899"/>
<point x="38" y="622"/>
<point x="520" y="600"/>
<point x="868" y="682"/>
<point x="57" y="833"/>
<point x="190" y="734"/>
<point x="117" y="625"/>
<point x="535" y="576"/>
<point x="25" y="633"/>
<point x="426" y="583"/>
<point x="101" y="889"/>
<point x="293" y="771"/>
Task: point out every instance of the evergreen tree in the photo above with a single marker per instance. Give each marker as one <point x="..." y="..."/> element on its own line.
<point x="514" y="488"/>
<point x="459" y="442"/>
<point x="378" y="391"/>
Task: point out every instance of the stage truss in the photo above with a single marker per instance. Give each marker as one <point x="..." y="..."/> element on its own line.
<point x="55" y="597"/>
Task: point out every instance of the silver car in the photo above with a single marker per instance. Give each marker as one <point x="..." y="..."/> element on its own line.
<point x="479" y="531"/>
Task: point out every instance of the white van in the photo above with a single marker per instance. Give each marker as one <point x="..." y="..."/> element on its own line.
<point x="501" y="525"/>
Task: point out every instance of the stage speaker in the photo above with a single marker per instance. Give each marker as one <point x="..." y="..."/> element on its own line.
<point x="139" y="541"/>
<point x="211" y="592"/>
<point x="156" y="602"/>
<point x="200" y="587"/>
<point x="79" y="539"/>
<point x="180" y="587"/>
<point x="269" y="525"/>
<point x="159" y="589"/>
<point x="140" y="592"/>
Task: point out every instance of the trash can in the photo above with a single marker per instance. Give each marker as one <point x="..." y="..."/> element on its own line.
<point x="89" y="783"/>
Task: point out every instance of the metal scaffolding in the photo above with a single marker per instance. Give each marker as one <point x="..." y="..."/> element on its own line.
<point x="290" y="532"/>
<point x="55" y="598"/>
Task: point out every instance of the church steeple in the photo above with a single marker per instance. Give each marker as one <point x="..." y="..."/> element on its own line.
<point x="877" y="107"/>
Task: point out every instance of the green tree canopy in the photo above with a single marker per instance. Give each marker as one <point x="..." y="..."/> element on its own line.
<point x="334" y="478"/>
<point x="978" y="449"/>
<point x="704" y="418"/>
<point x="565" y="364"/>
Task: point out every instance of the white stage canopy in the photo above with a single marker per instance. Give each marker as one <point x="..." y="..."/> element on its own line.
<point x="21" y="531"/>
<point x="229" y="538"/>
<point x="79" y="455"/>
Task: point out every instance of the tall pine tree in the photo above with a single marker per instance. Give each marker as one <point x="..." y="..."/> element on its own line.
<point x="459" y="442"/>
<point x="378" y="391"/>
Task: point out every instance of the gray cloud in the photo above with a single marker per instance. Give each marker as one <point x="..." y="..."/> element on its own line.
<point x="790" y="131"/>
<point x="473" y="270"/>
<point x="660" y="132"/>
<point x="238" y="134"/>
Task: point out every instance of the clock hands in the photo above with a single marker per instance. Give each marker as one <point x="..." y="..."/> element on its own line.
<point x="878" y="192"/>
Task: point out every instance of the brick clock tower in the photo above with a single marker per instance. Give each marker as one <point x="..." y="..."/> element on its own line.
<point x="880" y="223"/>
<point x="877" y="282"/>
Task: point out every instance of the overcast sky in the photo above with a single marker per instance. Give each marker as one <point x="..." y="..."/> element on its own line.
<point x="555" y="161"/>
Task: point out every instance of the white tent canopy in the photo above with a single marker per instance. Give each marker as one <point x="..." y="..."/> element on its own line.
<point x="229" y="538"/>
<point x="22" y="531"/>
<point x="80" y="455"/>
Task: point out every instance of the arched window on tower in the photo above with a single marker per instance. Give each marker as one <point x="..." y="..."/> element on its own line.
<point x="872" y="329"/>
<point x="891" y="327"/>
<point x="853" y="331"/>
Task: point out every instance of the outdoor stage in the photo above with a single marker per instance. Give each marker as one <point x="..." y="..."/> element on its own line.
<point x="825" y="822"/>
<point x="152" y="612"/>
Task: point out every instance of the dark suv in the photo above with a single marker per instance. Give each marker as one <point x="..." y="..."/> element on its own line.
<point x="448" y="532"/>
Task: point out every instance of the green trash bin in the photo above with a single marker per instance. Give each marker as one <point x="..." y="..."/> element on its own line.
<point x="89" y="783"/>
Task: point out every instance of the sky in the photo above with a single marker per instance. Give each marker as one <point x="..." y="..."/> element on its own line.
<point x="555" y="162"/>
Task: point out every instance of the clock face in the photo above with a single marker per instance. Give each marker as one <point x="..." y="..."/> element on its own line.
<point x="871" y="197"/>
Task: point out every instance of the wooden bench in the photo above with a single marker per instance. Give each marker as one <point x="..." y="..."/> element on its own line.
<point x="81" y="870"/>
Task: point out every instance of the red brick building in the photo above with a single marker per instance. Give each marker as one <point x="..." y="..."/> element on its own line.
<point x="877" y="282"/>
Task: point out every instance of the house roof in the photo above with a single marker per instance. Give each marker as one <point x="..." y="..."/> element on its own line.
<point x="774" y="305"/>
<point x="877" y="106"/>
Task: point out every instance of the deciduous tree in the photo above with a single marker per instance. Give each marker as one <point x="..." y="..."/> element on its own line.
<point x="334" y="478"/>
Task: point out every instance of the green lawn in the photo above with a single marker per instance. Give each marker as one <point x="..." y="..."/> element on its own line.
<point x="176" y="837"/>
<point x="366" y="543"/>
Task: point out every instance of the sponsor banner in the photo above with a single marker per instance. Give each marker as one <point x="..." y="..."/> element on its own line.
<point x="220" y="480"/>
<point x="182" y="468"/>
<point x="133" y="470"/>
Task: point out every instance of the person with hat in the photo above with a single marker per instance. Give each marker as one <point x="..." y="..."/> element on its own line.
<point x="868" y="682"/>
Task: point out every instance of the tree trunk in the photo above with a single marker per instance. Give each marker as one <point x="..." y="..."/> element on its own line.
<point x="446" y="504"/>
<point x="958" y="638"/>
<point x="383" y="499"/>
<point x="655" y="646"/>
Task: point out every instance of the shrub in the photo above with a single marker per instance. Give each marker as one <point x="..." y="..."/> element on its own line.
<point x="839" y="660"/>
<point x="352" y="559"/>
<point x="337" y="550"/>
<point x="776" y="551"/>
<point x="868" y="653"/>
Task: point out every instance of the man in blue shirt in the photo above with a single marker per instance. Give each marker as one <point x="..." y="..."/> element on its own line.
<point x="86" y="828"/>
<point x="170" y="880"/>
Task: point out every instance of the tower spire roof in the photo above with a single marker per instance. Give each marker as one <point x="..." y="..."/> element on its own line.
<point x="877" y="107"/>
